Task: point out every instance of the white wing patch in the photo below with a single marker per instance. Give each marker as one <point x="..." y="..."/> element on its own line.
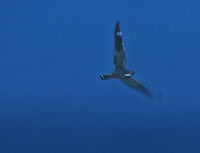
<point x="119" y="33"/>
<point x="128" y="74"/>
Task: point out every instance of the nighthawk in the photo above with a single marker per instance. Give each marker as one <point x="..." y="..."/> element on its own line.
<point x="120" y="69"/>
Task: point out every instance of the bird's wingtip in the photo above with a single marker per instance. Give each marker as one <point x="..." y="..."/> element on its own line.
<point x="156" y="96"/>
<point x="117" y="23"/>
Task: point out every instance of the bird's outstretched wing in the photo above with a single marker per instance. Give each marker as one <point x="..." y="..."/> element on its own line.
<point x="119" y="55"/>
<point x="142" y="88"/>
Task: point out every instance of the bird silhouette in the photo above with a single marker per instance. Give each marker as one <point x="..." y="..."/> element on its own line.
<point x="120" y="69"/>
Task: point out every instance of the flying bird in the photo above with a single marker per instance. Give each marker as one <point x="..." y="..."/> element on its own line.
<point x="120" y="69"/>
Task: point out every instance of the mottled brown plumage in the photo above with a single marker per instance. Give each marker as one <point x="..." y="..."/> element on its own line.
<point x="120" y="70"/>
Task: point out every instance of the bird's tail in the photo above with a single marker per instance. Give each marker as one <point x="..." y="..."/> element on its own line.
<point x="107" y="76"/>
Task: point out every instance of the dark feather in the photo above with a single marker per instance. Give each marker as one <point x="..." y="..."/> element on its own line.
<point x="152" y="94"/>
<point x="119" y="55"/>
<point x="121" y="72"/>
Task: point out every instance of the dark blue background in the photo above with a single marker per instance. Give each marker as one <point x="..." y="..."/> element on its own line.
<point x="53" y="100"/>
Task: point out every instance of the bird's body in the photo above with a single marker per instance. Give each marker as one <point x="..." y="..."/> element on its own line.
<point x="120" y="69"/>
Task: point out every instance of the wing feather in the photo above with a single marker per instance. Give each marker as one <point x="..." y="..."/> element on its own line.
<point x="119" y="55"/>
<point x="135" y="84"/>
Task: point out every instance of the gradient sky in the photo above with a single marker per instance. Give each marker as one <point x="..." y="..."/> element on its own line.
<point x="53" y="100"/>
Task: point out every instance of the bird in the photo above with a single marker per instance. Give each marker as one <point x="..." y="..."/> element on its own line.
<point x="121" y="72"/>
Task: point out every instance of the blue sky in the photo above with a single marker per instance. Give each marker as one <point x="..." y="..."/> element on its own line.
<point x="53" y="100"/>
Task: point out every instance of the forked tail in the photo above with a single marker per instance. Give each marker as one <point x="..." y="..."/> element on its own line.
<point x="107" y="76"/>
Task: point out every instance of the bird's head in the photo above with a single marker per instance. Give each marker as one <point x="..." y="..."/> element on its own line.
<point x="128" y="73"/>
